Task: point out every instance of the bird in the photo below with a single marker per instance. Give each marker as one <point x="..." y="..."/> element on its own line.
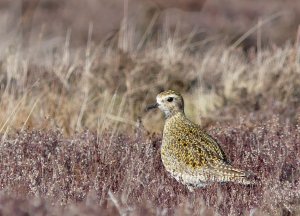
<point x="192" y="156"/>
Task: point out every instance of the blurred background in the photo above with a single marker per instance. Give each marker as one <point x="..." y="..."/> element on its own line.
<point x="97" y="63"/>
<point x="33" y="19"/>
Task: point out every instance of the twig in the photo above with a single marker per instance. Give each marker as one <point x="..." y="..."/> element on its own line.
<point x="254" y="28"/>
<point x="116" y="203"/>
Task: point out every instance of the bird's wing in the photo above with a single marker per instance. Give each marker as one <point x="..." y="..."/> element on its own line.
<point x="201" y="146"/>
<point x="216" y="166"/>
<point x="208" y="153"/>
<point x="206" y="143"/>
<point x="204" y="154"/>
<point x="211" y="146"/>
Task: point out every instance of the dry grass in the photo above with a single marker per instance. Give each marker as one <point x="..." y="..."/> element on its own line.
<point x="100" y="87"/>
<point x="50" y="84"/>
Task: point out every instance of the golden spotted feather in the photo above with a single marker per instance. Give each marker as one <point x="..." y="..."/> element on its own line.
<point x="190" y="154"/>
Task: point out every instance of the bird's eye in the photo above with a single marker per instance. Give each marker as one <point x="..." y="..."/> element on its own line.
<point x="170" y="99"/>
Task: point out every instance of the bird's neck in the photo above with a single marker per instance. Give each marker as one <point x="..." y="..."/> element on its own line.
<point x="172" y="113"/>
<point x="174" y="116"/>
<point x="171" y="123"/>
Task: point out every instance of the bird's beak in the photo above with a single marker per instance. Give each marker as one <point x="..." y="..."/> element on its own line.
<point x="152" y="106"/>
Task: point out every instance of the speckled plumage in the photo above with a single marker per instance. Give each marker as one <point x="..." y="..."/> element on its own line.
<point x="191" y="155"/>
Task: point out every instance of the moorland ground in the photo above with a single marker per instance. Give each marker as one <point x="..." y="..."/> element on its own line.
<point x="74" y="135"/>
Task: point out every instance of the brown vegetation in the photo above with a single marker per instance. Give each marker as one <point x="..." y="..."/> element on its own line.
<point x="99" y="87"/>
<point x="74" y="135"/>
<point x="188" y="5"/>
<point x="219" y="20"/>
<point x="122" y="174"/>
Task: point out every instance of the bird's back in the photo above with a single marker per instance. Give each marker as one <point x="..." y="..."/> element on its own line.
<point x="193" y="157"/>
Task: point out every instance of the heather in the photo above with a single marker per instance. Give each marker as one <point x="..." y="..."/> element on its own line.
<point x="121" y="174"/>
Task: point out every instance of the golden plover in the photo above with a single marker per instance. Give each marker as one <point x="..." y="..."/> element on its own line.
<point x="188" y="153"/>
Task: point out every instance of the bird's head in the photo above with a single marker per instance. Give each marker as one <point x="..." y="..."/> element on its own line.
<point x="170" y="102"/>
